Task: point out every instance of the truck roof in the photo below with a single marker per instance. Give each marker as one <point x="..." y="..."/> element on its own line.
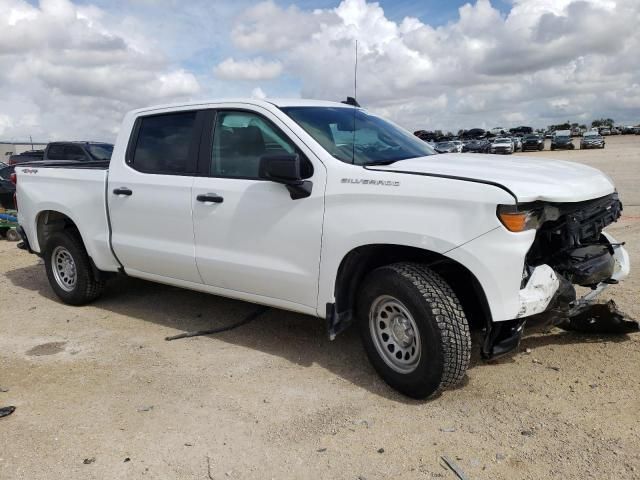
<point x="278" y="102"/>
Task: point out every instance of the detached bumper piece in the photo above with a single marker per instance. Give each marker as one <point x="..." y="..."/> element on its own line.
<point x="600" y="318"/>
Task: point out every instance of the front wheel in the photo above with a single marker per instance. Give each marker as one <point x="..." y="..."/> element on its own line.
<point x="69" y="269"/>
<point x="414" y="329"/>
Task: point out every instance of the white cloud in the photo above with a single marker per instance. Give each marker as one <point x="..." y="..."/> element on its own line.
<point x="253" y="69"/>
<point x="258" y="93"/>
<point x="489" y="67"/>
<point x="63" y="74"/>
<point x="71" y="70"/>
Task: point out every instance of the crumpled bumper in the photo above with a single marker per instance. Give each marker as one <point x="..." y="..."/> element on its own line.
<point x="536" y="296"/>
<point x="544" y="284"/>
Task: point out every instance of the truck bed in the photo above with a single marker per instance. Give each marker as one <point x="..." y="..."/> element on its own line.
<point x="75" y="189"/>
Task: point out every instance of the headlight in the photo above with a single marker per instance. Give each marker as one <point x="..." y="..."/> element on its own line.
<point x="516" y="220"/>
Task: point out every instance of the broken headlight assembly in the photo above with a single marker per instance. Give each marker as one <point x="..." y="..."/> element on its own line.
<point x="520" y="218"/>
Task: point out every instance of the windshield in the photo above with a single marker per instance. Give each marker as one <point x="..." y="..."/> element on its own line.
<point x="100" y="151"/>
<point x="373" y="140"/>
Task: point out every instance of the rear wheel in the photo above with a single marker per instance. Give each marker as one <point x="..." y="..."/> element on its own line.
<point x="413" y="329"/>
<point x="69" y="269"/>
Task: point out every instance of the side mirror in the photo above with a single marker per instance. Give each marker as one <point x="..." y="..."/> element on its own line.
<point x="280" y="168"/>
<point x="285" y="169"/>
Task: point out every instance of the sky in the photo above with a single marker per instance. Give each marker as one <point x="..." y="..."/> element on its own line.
<point x="70" y="70"/>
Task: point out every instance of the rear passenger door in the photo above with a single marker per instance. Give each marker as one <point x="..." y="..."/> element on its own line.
<point x="150" y="197"/>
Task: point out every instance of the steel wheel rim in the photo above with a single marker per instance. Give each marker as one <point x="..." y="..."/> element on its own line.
<point x="64" y="269"/>
<point x="395" y="334"/>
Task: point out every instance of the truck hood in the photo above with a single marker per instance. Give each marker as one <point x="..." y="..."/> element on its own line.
<point x="529" y="178"/>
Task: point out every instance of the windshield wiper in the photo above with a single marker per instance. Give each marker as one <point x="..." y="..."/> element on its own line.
<point x="382" y="162"/>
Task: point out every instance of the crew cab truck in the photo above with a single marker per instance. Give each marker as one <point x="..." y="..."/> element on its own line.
<point x="325" y="209"/>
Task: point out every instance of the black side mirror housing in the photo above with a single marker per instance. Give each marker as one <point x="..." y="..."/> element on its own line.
<point x="285" y="169"/>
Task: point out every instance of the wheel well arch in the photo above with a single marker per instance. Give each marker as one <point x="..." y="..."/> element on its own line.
<point x="49" y="222"/>
<point x="360" y="261"/>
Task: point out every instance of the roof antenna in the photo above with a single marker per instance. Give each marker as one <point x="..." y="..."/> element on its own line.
<point x="352" y="100"/>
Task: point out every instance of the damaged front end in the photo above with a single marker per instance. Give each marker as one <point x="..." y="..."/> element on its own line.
<point x="570" y="248"/>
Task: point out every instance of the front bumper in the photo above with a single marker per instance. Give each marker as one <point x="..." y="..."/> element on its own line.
<point x="546" y="289"/>
<point x="539" y="291"/>
<point x="544" y="284"/>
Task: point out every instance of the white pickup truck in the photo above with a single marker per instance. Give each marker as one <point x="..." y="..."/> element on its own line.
<point x="325" y="209"/>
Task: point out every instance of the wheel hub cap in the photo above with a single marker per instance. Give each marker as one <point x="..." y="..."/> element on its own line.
<point x="64" y="268"/>
<point x="402" y="331"/>
<point x="395" y="334"/>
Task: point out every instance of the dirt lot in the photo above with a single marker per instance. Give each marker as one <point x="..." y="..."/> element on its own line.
<point x="101" y="395"/>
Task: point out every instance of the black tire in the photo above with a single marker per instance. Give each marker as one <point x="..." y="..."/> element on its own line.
<point x="12" y="235"/>
<point x="442" y="328"/>
<point x="86" y="286"/>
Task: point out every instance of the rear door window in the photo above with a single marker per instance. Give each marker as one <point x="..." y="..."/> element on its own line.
<point x="165" y="144"/>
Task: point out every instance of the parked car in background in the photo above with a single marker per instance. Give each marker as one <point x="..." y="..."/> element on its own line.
<point x="605" y="131"/>
<point x="67" y="151"/>
<point x="7" y="187"/>
<point x="28" y="156"/>
<point x="502" y="145"/>
<point x="532" y="142"/>
<point x="615" y="131"/>
<point x="446" y="147"/>
<point x="548" y="134"/>
<point x="474" y="133"/>
<point x="517" y="143"/>
<point x="78" y="151"/>
<point x="498" y="130"/>
<point x="458" y="144"/>
<point x="477" y="146"/>
<point x="562" y="140"/>
<point x="592" y="140"/>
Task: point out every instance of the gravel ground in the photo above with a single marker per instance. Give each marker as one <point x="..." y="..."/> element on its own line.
<point x="101" y="395"/>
